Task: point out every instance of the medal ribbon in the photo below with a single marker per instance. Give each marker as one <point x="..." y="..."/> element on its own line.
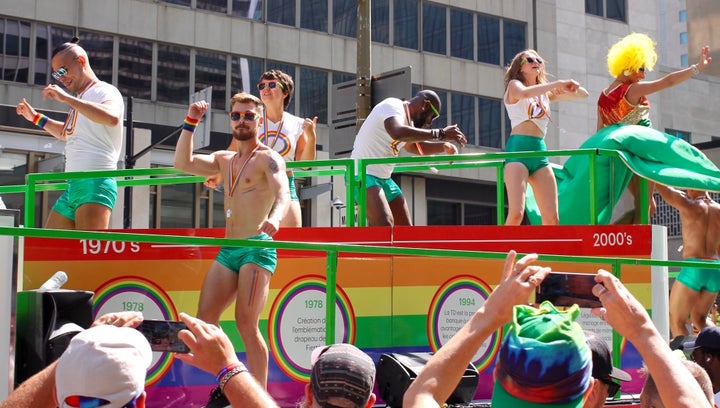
<point x="267" y="129"/>
<point x="234" y="180"/>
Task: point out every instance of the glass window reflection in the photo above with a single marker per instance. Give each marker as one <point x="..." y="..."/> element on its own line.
<point x="434" y="28"/>
<point x="210" y="70"/>
<point x="314" y="15"/>
<point x="488" y="39"/>
<point x="405" y="23"/>
<point x="173" y="74"/>
<point x="135" y="68"/>
<point x="461" y="38"/>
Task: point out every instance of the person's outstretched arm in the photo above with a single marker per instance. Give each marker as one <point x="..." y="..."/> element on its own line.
<point x="212" y="351"/>
<point x="677" y="387"/>
<point x="443" y="371"/>
<point x="38" y="391"/>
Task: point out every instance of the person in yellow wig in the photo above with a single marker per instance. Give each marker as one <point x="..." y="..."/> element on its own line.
<point x="625" y="100"/>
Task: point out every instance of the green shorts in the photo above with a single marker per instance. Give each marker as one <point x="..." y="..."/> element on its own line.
<point x="99" y="191"/>
<point x="699" y="279"/>
<point x="293" y="189"/>
<point x="235" y="257"/>
<point x="522" y="143"/>
<point x="389" y="187"/>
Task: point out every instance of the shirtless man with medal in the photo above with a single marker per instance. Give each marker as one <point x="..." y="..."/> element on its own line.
<point x="256" y="199"/>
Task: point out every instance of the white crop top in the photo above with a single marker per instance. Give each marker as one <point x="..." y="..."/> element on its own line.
<point x="536" y="109"/>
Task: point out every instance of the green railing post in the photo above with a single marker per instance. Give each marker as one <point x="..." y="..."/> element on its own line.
<point x="500" y="191"/>
<point x="30" y="200"/>
<point x="644" y="201"/>
<point x="330" y="295"/>
<point x="362" y="193"/>
<point x="593" y="188"/>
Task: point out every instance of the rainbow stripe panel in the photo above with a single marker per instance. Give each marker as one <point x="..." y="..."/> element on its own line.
<point x="384" y="304"/>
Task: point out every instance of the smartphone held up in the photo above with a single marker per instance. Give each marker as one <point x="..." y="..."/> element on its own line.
<point x="163" y="335"/>
<point x="567" y="289"/>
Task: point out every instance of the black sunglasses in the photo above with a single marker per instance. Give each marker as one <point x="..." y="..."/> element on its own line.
<point x="247" y="115"/>
<point x="613" y="387"/>
<point x="532" y="60"/>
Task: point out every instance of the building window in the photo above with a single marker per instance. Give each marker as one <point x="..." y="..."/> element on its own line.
<point x="488" y="39"/>
<point x="245" y="75"/>
<point x="314" y="15"/>
<point x="461" y="35"/>
<point x="490" y="122"/>
<point x="682" y="16"/>
<point x="683" y="38"/>
<point x="46" y="39"/>
<point x="514" y="39"/>
<point x="99" y="48"/>
<point x="178" y="2"/>
<point x="345" y="18"/>
<point x="135" y="68"/>
<point x="680" y="134"/>
<point x="312" y="93"/>
<point x="684" y="60"/>
<point x="434" y="29"/>
<point x="456" y="203"/>
<point x="15" y="49"/>
<point x="381" y="21"/>
<point x="463" y="113"/>
<point x="611" y="9"/>
<point x="173" y="74"/>
<point x="210" y="71"/>
<point x="219" y="6"/>
<point x="405" y="33"/>
<point x="247" y="8"/>
<point x="281" y="12"/>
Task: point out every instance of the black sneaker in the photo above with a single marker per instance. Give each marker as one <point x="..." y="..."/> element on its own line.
<point x="217" y="399"/>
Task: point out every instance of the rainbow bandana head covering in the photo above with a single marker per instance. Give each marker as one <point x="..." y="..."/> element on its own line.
<point x="544" y="360"/>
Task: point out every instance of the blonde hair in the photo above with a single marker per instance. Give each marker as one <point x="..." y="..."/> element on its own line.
<point x="513" y="69"/>
<point x="242" y="97"/>
<point x="632" y="52"/>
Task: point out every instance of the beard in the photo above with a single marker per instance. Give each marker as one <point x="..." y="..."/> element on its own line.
<point x="244" y="133"/>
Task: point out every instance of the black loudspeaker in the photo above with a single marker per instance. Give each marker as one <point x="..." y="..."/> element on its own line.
<point x="46" y="321"/>
<point x="396" y="371"/>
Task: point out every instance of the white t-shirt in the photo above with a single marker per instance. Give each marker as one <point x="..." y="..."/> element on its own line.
<point x="90" y="145"/>
<point x="374" y="141"/>
<point x="284" y="141"/>
<point x="717" y="399"/>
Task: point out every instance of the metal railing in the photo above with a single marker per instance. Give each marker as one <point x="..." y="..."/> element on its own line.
<point x="38" y="182"/>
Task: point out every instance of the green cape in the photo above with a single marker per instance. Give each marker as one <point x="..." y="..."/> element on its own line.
<point x="647" y="152"/>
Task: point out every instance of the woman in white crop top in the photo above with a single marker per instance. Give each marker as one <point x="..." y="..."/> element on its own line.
<point x="527" y="98"/>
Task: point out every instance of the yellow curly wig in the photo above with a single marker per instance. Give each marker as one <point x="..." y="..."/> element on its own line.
<point x="631" y="53"/>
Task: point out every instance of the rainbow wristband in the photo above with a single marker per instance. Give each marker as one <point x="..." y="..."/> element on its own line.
<point x="40" y="120"/>
<point x="230" y="374"/>
<point x="190" y="124"/>
<point x="225" y="370"/>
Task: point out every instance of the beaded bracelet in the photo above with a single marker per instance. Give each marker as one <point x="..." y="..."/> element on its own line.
<point x="230" y="374"/>
<point x="40" y="120"/>
<point x="190" y="124"/>
<point x="442" y="134"/>
<point x="225" y="370"/>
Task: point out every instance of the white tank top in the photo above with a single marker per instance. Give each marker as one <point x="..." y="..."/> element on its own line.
<point x="536" y="109"/>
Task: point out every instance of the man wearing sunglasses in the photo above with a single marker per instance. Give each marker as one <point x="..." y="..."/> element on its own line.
<point x="394" y="124"/>
<point x="257" y="197"/>
<point x="93" y="136"/>
<point x="604" y="384"/>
